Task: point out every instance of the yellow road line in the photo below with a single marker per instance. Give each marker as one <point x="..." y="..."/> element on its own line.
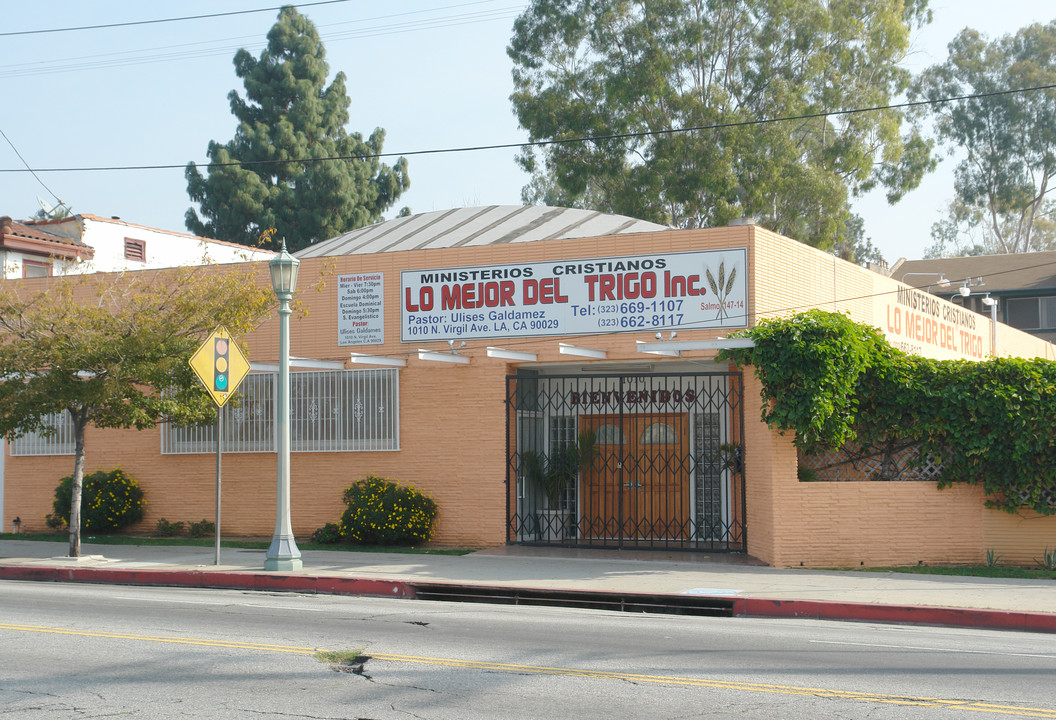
<point x="907" y="700"/>
<point x="162" y="639"/>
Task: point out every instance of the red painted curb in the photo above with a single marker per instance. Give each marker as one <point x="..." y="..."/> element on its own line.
<point x="742" y="607"/>
<point x="212" y="579"/>
<point x="901" y="614"/>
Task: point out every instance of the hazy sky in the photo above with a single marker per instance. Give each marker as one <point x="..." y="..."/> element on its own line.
<point x="433" y="74"/>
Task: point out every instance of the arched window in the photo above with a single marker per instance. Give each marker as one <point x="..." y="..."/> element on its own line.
<point x="658" y="434"/>
<point x="608" y="434"/>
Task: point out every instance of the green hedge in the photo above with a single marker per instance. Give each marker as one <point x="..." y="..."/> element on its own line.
<point x="833" y="381"/>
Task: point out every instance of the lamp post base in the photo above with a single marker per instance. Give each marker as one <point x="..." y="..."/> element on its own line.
<point x="283" y="555"/>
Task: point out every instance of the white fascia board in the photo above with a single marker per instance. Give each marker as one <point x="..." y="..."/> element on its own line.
<point x="680" y="345"/>
<point x="494" y="352"/>
<point x="298" y="362"/>
<point x="567" y="349"/>
<point x="442" y="357"/>
<point x="363" y="359"/>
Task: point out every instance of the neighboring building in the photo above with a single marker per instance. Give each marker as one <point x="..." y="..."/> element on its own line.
<point x="27" y="251"/>
<point x="454" y="350"/>
<point x="87" y="243"/>
<point x="1019" y="289"/>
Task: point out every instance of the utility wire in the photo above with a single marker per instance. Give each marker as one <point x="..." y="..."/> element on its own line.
<point x="28" y="168"/>
<point x="545" y="143"/>
<point x="210" y="48"/>
<point x="164" y="20"/>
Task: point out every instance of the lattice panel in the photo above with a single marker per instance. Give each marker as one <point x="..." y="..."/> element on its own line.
<point x="885" y="463"/>
<point x="1048" y="497"/>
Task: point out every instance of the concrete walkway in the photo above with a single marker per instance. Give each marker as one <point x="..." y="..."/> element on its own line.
<point x="732" y="581"/>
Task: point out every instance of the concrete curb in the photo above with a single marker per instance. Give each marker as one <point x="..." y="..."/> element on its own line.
<point x="740" y="606"/>
<point x="896" y="614"/>
<point x="230" y="580"/>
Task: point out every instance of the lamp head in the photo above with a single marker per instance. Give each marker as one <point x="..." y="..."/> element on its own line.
<point x="283" y="269"/>
<point x="964" y="290"/>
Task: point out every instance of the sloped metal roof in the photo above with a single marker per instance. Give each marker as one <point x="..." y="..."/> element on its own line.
<point x="487" y="225"/>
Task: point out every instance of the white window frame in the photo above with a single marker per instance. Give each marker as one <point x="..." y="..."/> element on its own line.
<point x="61" y="442"/>
<point x="330" y="411"/>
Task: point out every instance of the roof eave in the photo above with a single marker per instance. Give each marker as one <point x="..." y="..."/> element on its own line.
<point x="43" y="247"/>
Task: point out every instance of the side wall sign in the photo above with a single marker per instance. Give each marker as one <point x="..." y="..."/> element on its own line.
<point x="690" y="290"/>
<point x="361" y="309"/>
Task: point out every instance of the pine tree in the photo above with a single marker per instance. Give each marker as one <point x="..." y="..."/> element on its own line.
<point x="276" y="171"/>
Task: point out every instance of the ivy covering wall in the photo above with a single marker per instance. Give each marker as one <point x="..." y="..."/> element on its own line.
<point x="833" y="381"/>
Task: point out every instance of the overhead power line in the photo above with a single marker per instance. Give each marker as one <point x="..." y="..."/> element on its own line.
<point x="368" y="27"/>
<point x="159" y="21"/>
<point x="544" y="143"/>
<point x="28" y="168"/>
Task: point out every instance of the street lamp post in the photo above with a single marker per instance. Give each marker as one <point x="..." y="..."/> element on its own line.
<point x="283" y="553"/>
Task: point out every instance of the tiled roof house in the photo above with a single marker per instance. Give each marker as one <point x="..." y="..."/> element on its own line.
<point x="27" y="250"/>
<point x="85" y="243"/>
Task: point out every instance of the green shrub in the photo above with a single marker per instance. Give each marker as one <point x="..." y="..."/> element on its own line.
<point x="328" y="534"/>
<point x="166" y="529"/>
<point x="201" y="529"/>
<point x="833" y="381"/>
<point x="110" y="501"/>
<point x="380" y="512"/>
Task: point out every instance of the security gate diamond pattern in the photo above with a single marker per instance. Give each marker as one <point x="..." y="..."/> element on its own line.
<point x="612" y="460"/>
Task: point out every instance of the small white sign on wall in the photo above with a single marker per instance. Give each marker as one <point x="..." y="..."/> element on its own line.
<point x="361" y="309"/>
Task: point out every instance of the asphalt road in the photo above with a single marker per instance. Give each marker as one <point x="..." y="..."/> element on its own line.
<point x="76" y="651"/>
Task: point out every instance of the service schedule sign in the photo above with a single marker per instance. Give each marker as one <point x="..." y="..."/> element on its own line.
<point x="691" y="290"/>
<point x="361" y="309"/>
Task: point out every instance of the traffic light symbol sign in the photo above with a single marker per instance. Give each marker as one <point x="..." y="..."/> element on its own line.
<point x="221" y="364"/>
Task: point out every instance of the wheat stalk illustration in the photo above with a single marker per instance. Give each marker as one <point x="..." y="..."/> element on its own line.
<point x="721" y="287"/>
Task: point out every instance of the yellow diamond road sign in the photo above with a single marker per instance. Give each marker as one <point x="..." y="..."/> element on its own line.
<point x="220" y="365"/>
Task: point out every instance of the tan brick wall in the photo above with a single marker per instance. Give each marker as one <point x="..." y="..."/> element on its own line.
<point x="828" y="524"/>
<point x="1021" y="538"/>
<point x="453" y="423"/>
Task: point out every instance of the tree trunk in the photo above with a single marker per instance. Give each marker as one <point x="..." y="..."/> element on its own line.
<point x="79" y="426"/>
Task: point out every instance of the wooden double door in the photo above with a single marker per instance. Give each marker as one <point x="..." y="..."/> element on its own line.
<point x="637" y="484"/>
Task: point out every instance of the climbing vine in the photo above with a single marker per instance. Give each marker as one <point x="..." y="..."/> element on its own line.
<point x="834" y="381"/>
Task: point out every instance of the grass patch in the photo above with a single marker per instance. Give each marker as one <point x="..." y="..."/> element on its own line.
<point x="989" y="571"/>
<point x="246" y="544"/>
<point x="340" y="657"/>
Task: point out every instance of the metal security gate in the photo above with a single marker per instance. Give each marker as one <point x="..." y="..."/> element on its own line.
<point x="625" y="460"/>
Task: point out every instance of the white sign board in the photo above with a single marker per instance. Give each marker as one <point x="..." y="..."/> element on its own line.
<point x="361" y="309"/>
<point x="691" y="290"/>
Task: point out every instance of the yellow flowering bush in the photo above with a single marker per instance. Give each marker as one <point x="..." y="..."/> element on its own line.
<point x="110" y="501"/>
<point x="380" y="512"/>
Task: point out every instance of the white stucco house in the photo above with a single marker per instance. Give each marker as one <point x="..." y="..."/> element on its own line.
<point x="86" y="243"/>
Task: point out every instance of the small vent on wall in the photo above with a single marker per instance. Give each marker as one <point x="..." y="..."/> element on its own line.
<point x="135" y="250"/>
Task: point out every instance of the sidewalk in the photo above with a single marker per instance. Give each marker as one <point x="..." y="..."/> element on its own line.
<point x="722" y="581"/>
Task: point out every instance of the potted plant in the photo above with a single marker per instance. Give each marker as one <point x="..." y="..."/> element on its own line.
<point x="554" y="476"/>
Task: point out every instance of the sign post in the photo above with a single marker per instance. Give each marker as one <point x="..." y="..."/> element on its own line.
<point x="221" y="367"/>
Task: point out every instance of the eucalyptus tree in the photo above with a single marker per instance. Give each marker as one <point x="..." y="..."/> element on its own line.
<point x="291" y="163"/>
<point x="764" y="79"/>
<point x="1003" y="180"/>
